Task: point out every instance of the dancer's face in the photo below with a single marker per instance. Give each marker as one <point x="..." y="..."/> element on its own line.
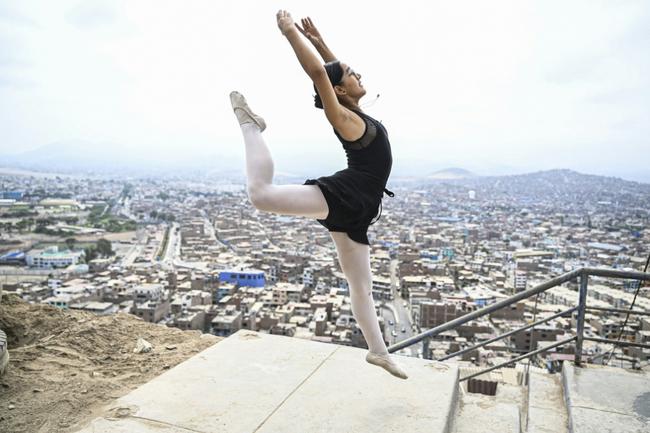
<point x="351" y="82"/>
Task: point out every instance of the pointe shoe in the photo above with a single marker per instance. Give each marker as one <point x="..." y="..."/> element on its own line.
<point x="386" y="363"/>
<point x="243" y="112"/>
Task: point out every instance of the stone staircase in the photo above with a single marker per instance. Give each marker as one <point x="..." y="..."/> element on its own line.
<point x="256" y="382"/>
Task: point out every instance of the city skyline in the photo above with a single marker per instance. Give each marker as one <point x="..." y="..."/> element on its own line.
<point x="502" y="88"/>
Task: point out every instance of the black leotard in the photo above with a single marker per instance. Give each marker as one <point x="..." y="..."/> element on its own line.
<point x="354" y="195"/>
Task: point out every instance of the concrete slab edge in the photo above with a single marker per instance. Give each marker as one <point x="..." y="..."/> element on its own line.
<point x="453" y="404"/>
<point x="567" y="375"/>
<point x="527" y="402"/>
<point x="525" y="406"/>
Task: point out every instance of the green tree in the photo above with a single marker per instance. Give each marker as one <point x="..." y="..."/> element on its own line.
<point x="104" y="248"/>
<point x="70" y="243"/>
<point x="20" y="225"/>
<point x="90" y="253"/>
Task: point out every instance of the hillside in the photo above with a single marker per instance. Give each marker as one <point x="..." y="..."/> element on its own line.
<point x="563" y="185"/>
<point x="65" y="365"/>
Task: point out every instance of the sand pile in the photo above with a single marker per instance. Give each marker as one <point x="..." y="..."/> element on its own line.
<point x="66" y="365"/>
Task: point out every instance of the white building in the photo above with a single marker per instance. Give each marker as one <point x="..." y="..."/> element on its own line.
<point x="51" y="257"/>
<point x="286" y="292"/>
<point x="148" y="292"/>
<point x="520" y="281"/>
<point x="99" y="308"/>
<point x="308" y="277"/>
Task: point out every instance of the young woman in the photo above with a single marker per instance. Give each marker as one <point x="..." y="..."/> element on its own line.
<point x="345" y="202"/>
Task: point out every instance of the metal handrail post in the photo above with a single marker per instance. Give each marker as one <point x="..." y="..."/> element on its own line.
<point x="425" y="348"/>
<point x="580" y="325"/>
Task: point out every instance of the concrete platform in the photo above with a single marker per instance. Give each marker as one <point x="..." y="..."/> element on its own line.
<point x="256" y="382"/>
<point x="606" y="399"/>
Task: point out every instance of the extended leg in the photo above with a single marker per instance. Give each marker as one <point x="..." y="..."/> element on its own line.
<point x="300" y="200"/>
<point x="354" y="259"/>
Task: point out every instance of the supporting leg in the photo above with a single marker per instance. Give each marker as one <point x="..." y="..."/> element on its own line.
<point x="354" y="259"/>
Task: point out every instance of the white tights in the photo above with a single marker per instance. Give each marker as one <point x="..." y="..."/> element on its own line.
<point x="308" y="201"/>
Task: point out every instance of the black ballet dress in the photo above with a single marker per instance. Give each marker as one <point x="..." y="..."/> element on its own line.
<point x="354" y="195"/>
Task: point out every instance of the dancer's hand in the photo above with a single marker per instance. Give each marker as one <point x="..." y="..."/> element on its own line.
<point x="285" y="22"/>
<point x="310" y="31"/>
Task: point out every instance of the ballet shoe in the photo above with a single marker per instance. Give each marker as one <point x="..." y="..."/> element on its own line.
<point x="243" y="112"/>
<point x="384" y="361"/>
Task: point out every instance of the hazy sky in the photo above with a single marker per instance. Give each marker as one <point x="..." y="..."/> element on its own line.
<point x="485" y="85"/>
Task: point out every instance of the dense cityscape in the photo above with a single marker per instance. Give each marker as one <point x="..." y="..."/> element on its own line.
<point x="165" y="259"/>
<point x="196" y="255"/>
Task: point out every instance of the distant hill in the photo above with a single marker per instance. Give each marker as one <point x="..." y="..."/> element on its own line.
<point x="567" y="177"/>
<point x="66" y="156"/>
<point x="560" y="185"/>
<point x="451" y="173"/>
<point x="89" y="158"/>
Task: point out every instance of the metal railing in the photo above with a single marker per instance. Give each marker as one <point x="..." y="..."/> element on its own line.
<point x="583" y="274"/>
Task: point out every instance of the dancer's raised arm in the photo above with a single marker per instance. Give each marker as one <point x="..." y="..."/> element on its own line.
<point x="334" y="111"/>
<point x="310" y="31"/>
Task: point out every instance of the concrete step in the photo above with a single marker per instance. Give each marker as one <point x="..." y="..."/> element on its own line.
<point x="546" y="408"/>
<point x="500" y="413"/>
<point x="256" y="382"/>
<point x="606" y="399"/>
<point x="511" y="376"/>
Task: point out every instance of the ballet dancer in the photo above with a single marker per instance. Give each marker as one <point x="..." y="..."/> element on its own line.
<point x="345" y="202"/>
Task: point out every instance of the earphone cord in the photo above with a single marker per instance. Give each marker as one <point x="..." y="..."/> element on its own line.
<point x="371" y="103"/>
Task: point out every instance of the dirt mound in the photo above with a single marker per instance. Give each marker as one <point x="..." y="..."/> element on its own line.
<point x="65" y="365"/>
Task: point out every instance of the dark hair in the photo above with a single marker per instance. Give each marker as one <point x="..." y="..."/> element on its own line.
<point x="335" y="74"/>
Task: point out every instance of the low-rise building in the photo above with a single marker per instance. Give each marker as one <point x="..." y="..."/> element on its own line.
<point x="51" y="257"/>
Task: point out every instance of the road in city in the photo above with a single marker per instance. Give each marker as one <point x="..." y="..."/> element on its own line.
<point x="172" y="252"/>
<point x="131" y="255"/>
<point x="135" y="250"/>
<point x="400" y="316"/>
<point x="211" y="232"/>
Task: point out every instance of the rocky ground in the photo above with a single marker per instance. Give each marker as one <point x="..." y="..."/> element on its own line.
<point x="66" y="365"/>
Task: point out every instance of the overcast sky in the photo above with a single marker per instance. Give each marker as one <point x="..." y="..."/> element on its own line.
<point x="491" y="86"/>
